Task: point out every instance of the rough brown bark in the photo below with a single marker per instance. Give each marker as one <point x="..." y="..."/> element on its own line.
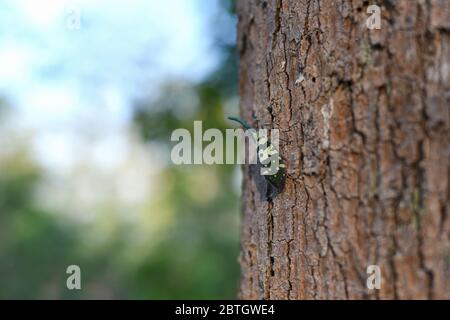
<point x="364" y="121"/>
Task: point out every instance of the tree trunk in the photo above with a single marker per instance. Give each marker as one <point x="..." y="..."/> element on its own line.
<point x="364" y="127"/>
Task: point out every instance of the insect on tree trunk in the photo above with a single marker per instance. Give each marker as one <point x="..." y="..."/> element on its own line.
<point x="364" y="123"/>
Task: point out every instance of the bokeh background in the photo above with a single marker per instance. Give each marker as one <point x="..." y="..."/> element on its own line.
<point x="90" y="92"/>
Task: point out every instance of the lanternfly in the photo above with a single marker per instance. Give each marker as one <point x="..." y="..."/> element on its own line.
<point x="274" y="175"/>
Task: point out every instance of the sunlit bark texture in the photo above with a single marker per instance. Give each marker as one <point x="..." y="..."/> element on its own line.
<point x="364" y="127"/>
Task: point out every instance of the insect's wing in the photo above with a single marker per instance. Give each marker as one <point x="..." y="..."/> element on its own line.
<point x="262" y="185"/>
<point x="272" y="165"/>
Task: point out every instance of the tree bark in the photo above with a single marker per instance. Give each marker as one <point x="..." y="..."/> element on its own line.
<point x="364" y="127"/>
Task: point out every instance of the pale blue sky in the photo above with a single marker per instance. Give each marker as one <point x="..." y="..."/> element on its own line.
<point x="60" y="79"/>
<point x="122" y="49"/>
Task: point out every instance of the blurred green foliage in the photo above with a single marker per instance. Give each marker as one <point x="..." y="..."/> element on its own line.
<point x="196" y="255"/>
<point x="204" y="242"/>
